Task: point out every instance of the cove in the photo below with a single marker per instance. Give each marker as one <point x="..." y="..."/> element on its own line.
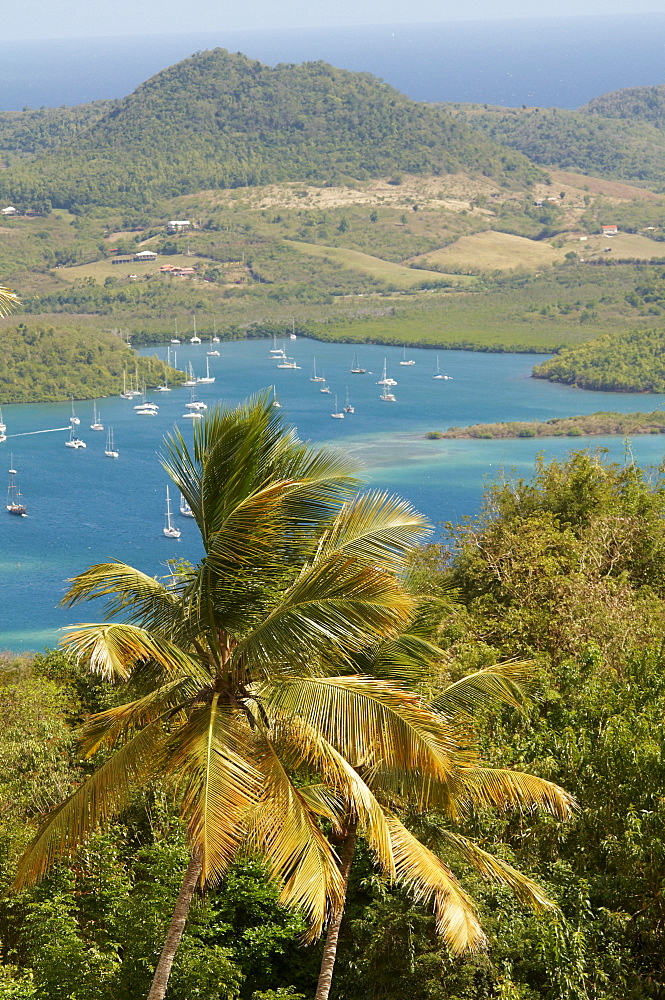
<point x="84" y="507"/>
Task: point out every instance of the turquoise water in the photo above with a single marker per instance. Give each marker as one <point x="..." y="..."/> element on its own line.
<point x="85" y="508"/>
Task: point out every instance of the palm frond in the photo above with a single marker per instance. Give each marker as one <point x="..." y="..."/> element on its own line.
<point x="210" y="758"/>
<point x="369" y="722"/>
<point x="431" y="881"/>
<point x="376" y="528"/>
<point x="500" y="682"/>
<point x="112" y="650"/>
<point x="297" y="744"/>
<point x="284" y="828"/>
<point x="144" y="599"/>
<point x="101" y="796"/>
<point x="501" y="788"/>
<point x="335" y="607"/>
<point x="105" y="729"/>
<point x="8" y="301"/>
<point x="500" y="872"/>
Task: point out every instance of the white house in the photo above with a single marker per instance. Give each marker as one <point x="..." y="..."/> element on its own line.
<point x="610" y="230"/>
<point x="10" y="210"/>
<point x="178" y="225"/>
<point x="145" y="256"/>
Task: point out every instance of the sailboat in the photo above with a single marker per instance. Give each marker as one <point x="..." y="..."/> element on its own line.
<point x="96" y="424"/>
<point x="404" y="361"/>
<point x="355" y="367"/>
<point x="124" y="394"/>
<point x="110" y="445"/>
<point x="275" y="402"/>
<point x="275" y="351"/>
<point x="168" y="528"/>
<point x="213" y="352"/>
<point x="314" y="376"/>
<point x="146" y="408"/>
<point x="387" y="396"/>
<point x="191" y="380"/>
<point x="438" y="374"/>
<point x="337" y="414"/>
<point x="74" y="442"/>
<point x="185" y="509"/>
<point x="325" y="388"/>
<point x="175" y="339"/>
<point x="384" y="380"/>
<point x="208" y="377"/>
<point x="15" y="503"/>
<point x="292" y="335"/>
<point x="74" y="419"/>
<point x="195" y="339"/>
<point x="165" y="387"/>
<point x="286" y="362"/>
<point x="3" y="428"/>
<point x="348" y="408"/>
<point x="194" y="407"/>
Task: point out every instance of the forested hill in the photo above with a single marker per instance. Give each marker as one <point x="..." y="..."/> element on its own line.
<point x="630" y="148"/>
<point x="222" y="120"/>
<point x="33" y="132"/>
<point x="645" y="104"/>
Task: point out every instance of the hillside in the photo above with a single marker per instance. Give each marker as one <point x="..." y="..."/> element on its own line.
<point x="579" y="141"/>
<point x="34" y="132"/>
<point x="645" y="104"/>
<point x="218" y="120"/>
<point x="619" y="362"/>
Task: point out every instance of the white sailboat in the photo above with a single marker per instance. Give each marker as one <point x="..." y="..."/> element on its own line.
<point x="185" y="509"/>
<point x="194" y="404"/>
<point x="195" y="339"/>
<point x="287" y="363"/>
<point x="111" y="451"/>
<point x="314" y="377"/>
<point x="74" y="442"/>
<point x="96" y="424"/>
<point x="165" y="387"/>
<point x="275" y="402"/>
<point x="213" y="352"/>
<point x="387" y="396"/>
<point x="124" y="394"/>
<point x="208" y="377"/>
<point x="3" y="428"/>
<point x="355" y="367"/>
<point x="191" y="378"/>
<point x="348" y="408"/>
<point x="337" y="414"/>
<point x="275" y="351"/>
<point x="404" y="361"/>
<point x="168" y="528"/>
<point x="15" y="503"/>
<point x="438" y="374"/>
<point x="384" y="380"/>
<point x="175" y="339"/>
<point x="146" y="408"/>
<point x="292" y="335"/>
<point x="74" y="419"/>
<point x="325" y="388"/>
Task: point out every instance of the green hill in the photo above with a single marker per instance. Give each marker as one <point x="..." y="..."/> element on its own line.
<point x="644" y="103"/>
<point x="616" y="362"/>
<point x="580" y="141"/>
<point x="218" y="120"/>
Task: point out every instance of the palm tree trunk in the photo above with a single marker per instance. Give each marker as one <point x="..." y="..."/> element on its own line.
<point x="160" y="979"/>
<point x="332" y="935"/>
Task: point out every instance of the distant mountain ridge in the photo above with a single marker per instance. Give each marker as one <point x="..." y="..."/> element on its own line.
<point x="645" y="104"/>
<point x="222" y="120"/>
<point x="620" y="135"/>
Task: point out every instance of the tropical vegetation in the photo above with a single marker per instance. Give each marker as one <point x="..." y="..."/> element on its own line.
<point x="619" y="362"/>
<point x="586" y="425"/>
<point x="266" y="696"/>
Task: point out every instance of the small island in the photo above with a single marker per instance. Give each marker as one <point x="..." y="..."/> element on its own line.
<point x="592" y="424"/>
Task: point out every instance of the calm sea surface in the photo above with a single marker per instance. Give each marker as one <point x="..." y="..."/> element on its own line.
<point x="551" y="61"/>
<point x="85" y="508"/>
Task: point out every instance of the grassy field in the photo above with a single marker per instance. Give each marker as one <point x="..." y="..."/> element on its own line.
<point x="381" y="270"/>
<point x="99" y="270"/>
<point x="491" y="251"/>
<point x="625" y="246"/>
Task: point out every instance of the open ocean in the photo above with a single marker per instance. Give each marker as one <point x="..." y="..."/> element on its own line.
<point x="545" y="62"/>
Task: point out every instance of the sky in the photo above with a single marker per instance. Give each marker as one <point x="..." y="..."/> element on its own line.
<point x="37" y="19"/>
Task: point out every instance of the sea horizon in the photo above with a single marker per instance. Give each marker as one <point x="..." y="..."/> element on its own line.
<point x="543" y="61"/>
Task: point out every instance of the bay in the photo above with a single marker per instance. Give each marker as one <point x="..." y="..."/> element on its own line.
<point x="84" y="507"/>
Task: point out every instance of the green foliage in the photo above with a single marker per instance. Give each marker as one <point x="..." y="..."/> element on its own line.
<point x="309" y="122"/>
<point x="644" y="103"/>
<point x="42" y="364"/>
<point x="601" y="423"/>
<point x="618" y="362"/>
<point x="589" y="140"/>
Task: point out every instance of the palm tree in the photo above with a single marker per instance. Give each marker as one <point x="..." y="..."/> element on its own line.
<point x="243" y="691"/>
<point x="8" y="301"/>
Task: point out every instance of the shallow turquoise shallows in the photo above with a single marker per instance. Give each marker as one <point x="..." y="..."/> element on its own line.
<point x="84" y="507"/>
